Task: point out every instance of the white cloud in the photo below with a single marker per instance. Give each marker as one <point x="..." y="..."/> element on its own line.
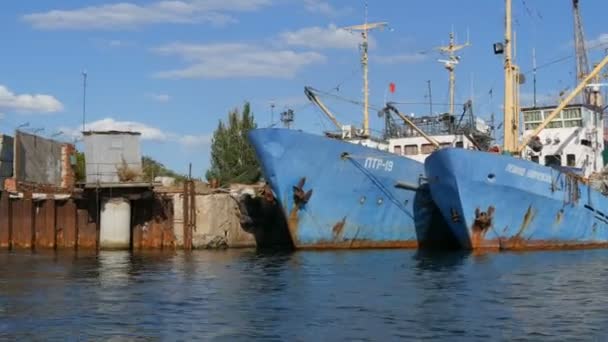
<point x="323" y="38"/>
<point x="118" y="43"/>
<point x="290" y="101"/>
<point x="233" y="60"/>
<point x="400" y="59"/>
<point x="163" y="98"/>
<point x="28" y="103"/>
<point x="148" y="132"/>
<point x="195" y="140"/>
<point x="601" y="40"/>
<point x="130" y="15"/>
<point x="324" y="8"/>
<point x="110" y="124"/>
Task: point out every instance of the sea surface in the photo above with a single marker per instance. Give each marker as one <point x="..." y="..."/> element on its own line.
<point x="246" y="295"/>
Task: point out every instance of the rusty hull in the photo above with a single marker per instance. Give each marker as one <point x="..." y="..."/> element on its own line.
<point x="518" y="242"/>
<point x="339" y="242"/>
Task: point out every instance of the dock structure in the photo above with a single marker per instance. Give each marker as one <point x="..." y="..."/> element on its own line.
<point x="42" y="206"/>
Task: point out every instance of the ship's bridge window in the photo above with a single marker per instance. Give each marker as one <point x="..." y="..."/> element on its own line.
<point x="445" y="145"/>
<point x="532" y="116"/>
<point x="553" y="160"/>
<point x="570" y="160"/>
<point x="459" y="144"/>
<point x="427" y="148"/>
<point x="557" y="123"/>
<point x="397" y="149"/>
<point x="571" y="113"/>
<point x="534" y="159"/>
<point x="585" y="142"/>
<point x="531" y="126"/>
<point x="573" y="123"/>
<point x="410" y="150"/>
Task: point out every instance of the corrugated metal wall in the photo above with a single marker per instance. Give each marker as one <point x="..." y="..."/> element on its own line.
<point x="105" y="153"/>
<point x="37" y="160"/>
<point x="6" y="158"/>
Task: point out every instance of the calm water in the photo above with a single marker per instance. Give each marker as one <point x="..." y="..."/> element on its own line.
<point x="309" y="296"/>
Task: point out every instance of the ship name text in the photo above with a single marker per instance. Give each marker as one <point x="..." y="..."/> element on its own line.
<point x="529" y="173"/>
<point x="378" y="164"/>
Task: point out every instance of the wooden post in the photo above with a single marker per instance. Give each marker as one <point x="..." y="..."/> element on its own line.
<point x="186" y="214"/>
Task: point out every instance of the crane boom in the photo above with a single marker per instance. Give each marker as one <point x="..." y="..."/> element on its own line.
<point x="310" y="94"/>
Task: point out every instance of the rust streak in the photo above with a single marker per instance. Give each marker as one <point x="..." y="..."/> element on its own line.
<point x="494" y="245"/>
<point x="293" y="224"/>
<point x="481" y="225"/>
<point x="558" y="218"/>
<point x="528" y="217"/>
<point x="338" y="228"/>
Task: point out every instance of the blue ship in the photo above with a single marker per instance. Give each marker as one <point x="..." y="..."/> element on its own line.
<point x="539" y="193"/>
<point x="495" y="201"/>
<point x="337" y="194"/>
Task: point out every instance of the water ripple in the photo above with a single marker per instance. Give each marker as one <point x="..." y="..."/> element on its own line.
<point x="304" y="296"/>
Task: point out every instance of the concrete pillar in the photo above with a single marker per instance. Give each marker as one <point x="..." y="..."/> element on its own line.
<point x="115" y="232"/>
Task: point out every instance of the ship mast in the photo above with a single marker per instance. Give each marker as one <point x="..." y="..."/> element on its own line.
<point x="511" y="116"/>
<point x="582" y="62"/>
<point x="364" y="29"/>
<point x="450" y="64"/>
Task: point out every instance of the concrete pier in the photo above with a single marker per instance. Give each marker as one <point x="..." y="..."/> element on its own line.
<point x="115" y="230"/>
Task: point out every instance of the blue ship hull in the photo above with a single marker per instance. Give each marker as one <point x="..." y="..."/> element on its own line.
<point x="493" y="201"/>
<point x="336" y="194"/>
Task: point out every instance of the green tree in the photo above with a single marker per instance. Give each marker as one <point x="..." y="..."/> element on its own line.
<point x="79" y="168"/>
<point x="232" y="157"/>
<point x="152" y="168"/>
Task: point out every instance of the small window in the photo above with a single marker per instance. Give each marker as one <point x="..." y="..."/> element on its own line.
<point x="534" y="159"/>
<point x="570" y="160"/>
<point x="553" y="160"/>
<point x="445" y="145"/>
<point x="585" y="142"/>
<point x="427" y="149"/>
<point x="572" y="113"/>
<point x="459" y="144"/>
<point x="556" y="123"/>
<point x="573" y="123"/>
<point x="397" y="149"/>
<point x="410" y="150"/>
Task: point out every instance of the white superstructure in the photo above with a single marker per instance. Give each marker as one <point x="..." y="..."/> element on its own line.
<point x="574" y="138"/>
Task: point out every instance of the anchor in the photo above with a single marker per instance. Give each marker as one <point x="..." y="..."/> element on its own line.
<point x="300" y="197"/>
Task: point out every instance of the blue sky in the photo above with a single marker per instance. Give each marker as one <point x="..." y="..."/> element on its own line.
<point x="172" y="69"/>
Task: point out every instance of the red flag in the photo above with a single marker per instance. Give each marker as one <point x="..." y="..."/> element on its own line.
<point x="391" y="87"/>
